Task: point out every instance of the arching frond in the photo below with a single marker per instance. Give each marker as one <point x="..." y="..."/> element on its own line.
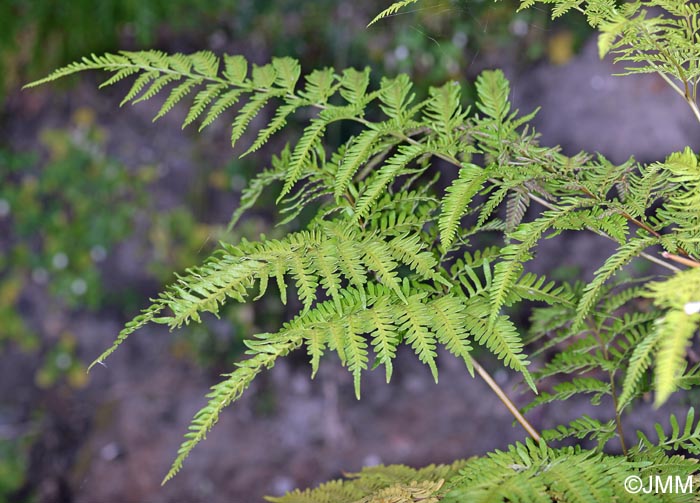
<point x="391" y="10"/>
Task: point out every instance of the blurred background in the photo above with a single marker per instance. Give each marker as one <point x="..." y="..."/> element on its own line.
<point x="99" y="208"/>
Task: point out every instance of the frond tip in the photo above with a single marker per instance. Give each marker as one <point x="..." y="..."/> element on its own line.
<point x="266" y="349"/>
<point x="391" y="10"/>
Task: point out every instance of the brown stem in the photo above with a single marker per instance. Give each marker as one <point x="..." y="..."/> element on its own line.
<point x="618" y="414"/>
<point x="644" y="226"/>
<point x="506" y="401"/>
<point x="680" y="260"/>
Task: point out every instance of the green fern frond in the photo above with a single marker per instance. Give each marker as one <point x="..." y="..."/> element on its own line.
<point x="355" y="351"/>
<point x="457" y="199"/>
<point x="377" y="184"/>
<point x="493" y="89"/>
<point x="147" y="316"/>
<point x="536" y="288"/>
<point x="265" y="352"/>
<point x="686" y="438"/>
<point x="518" y="202"/>
<point x="675" y="332"/>
<point x="443" y="111"/>
<point x="396" y="96"/>
<point x="573" y="361"/>
<point x="391" y="10"/>
<point x="564" y="391"/>
<point x="537" y="473"/>
<point x="508" y="271"/>
<point x="449" y="322"/>
<point x="313" y="259"/>
<point x="624" y="254"/>
<point x="416" y="322"/>
<point x="500" y="336"/>
<point x="385" y="338"/>
<point x="361" y="148"/>
<point x="584" y="427"/>
<point x="639" y="362"/>
<point x="257" y="185"/>
<point x="377" y="255"/>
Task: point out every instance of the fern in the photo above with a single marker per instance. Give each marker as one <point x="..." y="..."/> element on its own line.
<point x="386" y="257"/>
<point x="459" y="196"/>
<point x="392" y="9"/>
<point x="265" y="352"/>
<point x="612" y="265"/>
<point x="688" y="439"/>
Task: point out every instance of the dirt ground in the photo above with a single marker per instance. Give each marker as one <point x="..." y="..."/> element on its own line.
<point x="113" y="441"/>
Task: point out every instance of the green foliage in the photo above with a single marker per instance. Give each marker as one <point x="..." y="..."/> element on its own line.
<point x="14" y="461"/>
<point x="76" y="230"/>
<point x="34" y="32"/>
<point x="396" y="483"/>
<point x="387" y="258"/>
<point x="524" y="473"/>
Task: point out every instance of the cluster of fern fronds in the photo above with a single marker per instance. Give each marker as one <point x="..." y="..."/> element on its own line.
<point x="388" y="259"/>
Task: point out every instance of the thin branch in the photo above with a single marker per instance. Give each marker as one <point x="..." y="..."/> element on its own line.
<point x="483" y="373"/>
<point x="680" y="260"/>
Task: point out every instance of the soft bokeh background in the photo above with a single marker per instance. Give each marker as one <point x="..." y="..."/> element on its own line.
<point x="99" y="208"/>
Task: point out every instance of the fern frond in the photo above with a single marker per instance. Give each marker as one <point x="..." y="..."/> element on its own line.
<point x="449" y="322"/>
<point x="508" y="271"/>
<point x="379" y="484"/>
<point x="536" y="288"/>
<point x="573" y="361"/>
<point x="396" y="96"/>
<point x="265" y="352"/>
<point x="147" y="316"/>
<point x="624" y="254"/>
<point x="391" y="10"/>
<point x="639" y="362"/>
<point x="457" y="199"/>
<point x="499" y="336"/>
<point x="377" y="184"/>
<point x="537" y="473"/>
<point x="385" y="338"/>
<point x="518" y="201"/>
<point x="355" y="351"/>
<point x="493" y="89"/>
<point x="584" y="427"/>
<point x="564" y="391"/>
<point x="675" y="332"/>
<point x="361" y="149"/>
<point x="686" y="438"/>
<point x="378" y="256"/>
<point x="256" y="186"/>
<point x="443" y="111"/>
<point x="415" y="321"/>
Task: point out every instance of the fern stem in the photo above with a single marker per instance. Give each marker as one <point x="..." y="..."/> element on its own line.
<point x="685" y="92"/>
<point x="506" y="401"/>
<point x="639" y="224"/>
<point x="645" y="255"/>
<point x="685" y="95"/>
<point x="613" y="392"/>
<point x="681" y="260"/>
<point x="618" y="414"/>
<point x="660" y="262"/>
